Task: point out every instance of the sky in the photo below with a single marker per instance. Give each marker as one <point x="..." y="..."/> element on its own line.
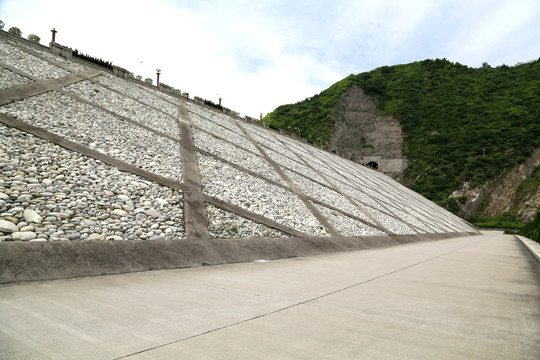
<point x="259" y="54"/>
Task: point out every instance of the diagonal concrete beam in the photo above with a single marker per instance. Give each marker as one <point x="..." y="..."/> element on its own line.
<point x="83" y="150"/>
<point x="20" y="92"/>
<point x="255" y="174"/>
<point x="324" y="222"/>
<point x="255" y="217"/>
<point x="375" y="224"/>
<point x="195" y="221"/>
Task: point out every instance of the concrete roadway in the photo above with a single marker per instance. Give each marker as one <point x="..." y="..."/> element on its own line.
<point x="466" y="298"/>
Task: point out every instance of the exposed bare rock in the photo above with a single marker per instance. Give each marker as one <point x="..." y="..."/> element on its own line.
<point x="528" y="208"/>
<point x="361" y="131"/>
<point x="503" y="196"/>
<point x="498" y="195"/>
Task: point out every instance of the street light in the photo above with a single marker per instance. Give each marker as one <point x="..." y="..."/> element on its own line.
<point x="158" y="71"/>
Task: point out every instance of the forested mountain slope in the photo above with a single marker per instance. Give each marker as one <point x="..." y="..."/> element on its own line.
<point x="462" y="127"/>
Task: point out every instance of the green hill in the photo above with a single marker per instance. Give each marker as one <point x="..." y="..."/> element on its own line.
<point x="460" y="124"/>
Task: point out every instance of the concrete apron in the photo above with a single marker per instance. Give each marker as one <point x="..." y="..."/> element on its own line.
<point x="473" y="297"/>
<point x="35" y="261"/>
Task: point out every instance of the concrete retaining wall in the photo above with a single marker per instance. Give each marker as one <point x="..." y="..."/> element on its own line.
<point x="36" y="261"/>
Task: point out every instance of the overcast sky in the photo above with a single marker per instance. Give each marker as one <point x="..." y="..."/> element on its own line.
<point x="259" y="54"/>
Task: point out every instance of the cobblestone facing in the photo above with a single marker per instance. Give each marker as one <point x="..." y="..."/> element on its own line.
<point x="224" y="224"/>
<point x="347" y="226"/>
<point x="71" y="66"/>
<point x="220" y="131"/>
<point x="289" y="163"/>
<point x="217" y="117"/>
<point x="143" y="95"/>
<point x="49" y="193"/>
<point x="324" y="194"/>
<point x="89" y="126"/>
<point x="124" y="106"/>
<point x="29" y="64"/>
<point x="226" y="183"/>
<point x="9" y="78"/>
<point x="52" y="194"/>
<point x="235" y="155"/>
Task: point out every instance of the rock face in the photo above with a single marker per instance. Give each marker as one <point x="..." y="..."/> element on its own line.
<point x="529" y="207"/>
<point x="503" y="196"/>
<point x="361" y="131"/>
<point x="498" y="196"/>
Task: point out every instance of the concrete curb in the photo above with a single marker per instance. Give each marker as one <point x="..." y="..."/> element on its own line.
<point x="37" y="261"/>
<point x="532" y="246"/>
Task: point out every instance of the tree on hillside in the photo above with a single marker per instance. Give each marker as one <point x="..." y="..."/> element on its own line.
<point x="148" y="80"/>
<point x="15" y="31"/>
<point x="34" y="38"/>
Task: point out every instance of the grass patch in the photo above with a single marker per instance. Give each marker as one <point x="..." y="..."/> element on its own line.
<point x="509" y="220"/>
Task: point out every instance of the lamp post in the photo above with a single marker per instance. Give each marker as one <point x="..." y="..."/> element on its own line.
<point x="158" y="71"/>
<point x="54" y="31"/>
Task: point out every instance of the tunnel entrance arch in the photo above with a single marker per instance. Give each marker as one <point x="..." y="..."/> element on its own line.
<point x="372" y="164"/>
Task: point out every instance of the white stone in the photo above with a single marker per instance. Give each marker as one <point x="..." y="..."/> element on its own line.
<point x="8" y="227"/>
<point x="162" y="202"/>
<point x="153" y="213"/>
<point x="88" y="222"/>
<point x="31" y="216"/>
<point x="24" y="235"/>
<point x="120" y="212"/>
<point x="95" y="237"/>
